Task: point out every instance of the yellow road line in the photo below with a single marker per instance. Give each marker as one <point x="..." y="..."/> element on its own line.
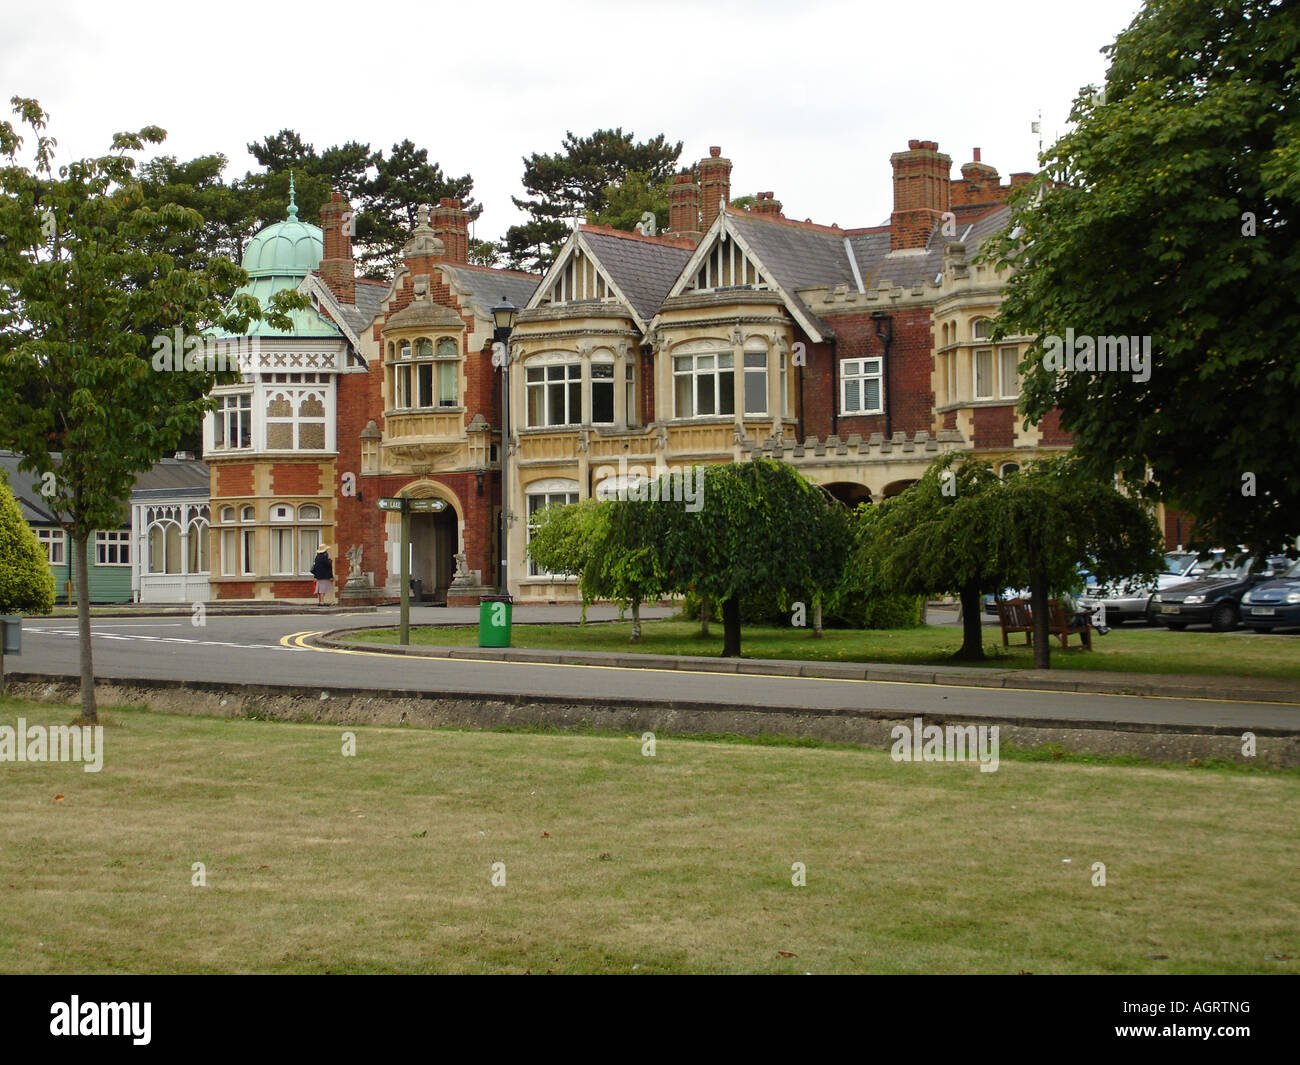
<point x="299" y="640"/>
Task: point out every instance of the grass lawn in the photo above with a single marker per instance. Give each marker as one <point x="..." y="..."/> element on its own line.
<point x="617" y="862"/>
<point x="1136" y="650"/>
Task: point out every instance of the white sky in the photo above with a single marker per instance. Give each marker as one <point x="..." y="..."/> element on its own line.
<point x="807" y="99"/>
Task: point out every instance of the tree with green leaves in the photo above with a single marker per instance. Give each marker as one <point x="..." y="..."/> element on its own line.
<point x="627" y="562"/>
<point x="757" y="530"/>
<point x="922" y="542"/>
<point x="88" y="281"/>
<point x="628" y="201"/>
<point x="1054" y="517"/>
<point x="1169" y="212"/>
<point x="575" y="182"/>
<point x="563" y="539"/>
<point x="831" y="528"/>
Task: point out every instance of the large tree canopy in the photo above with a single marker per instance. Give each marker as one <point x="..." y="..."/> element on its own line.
<point x="1170" y="212"/>
<point x="92" y="278"/>
<point x="577" y="181"/>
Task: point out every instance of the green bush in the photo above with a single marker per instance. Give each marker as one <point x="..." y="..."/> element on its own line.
<point x="26" y="583"/>
<point x="756" y="608"/>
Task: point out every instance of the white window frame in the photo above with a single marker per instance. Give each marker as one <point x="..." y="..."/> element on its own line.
<point x="52" y="539"/>
<point x="722" y="368"/>
<point x="234" y="415"/>
<point x="1014" y="390"/>
<point x="609" y="382"/>
<point x="862" y="371"/>
<point x="113" y="547"/>
<point x="563" y="375"/>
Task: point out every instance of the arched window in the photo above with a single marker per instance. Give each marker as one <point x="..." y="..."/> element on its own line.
<point x="247" y="514"/>
<point x="227" y="514"/>
<point x="198" y="543"/>
<point x="1008" y="469"/>
<point x="980" y="328"/>
<point x="309" y="512"/>
<point x="424" y="348"/>
<point x="165" y="547"/>
<point x="448" y="349"/>
<point x="282" y="512"/>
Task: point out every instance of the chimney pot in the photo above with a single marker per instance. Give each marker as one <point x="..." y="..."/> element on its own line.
<point x="715" y="152"/>
<point x="977" y="155"/>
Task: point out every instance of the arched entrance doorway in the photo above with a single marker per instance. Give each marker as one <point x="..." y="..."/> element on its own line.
<point x="433" y="554"/>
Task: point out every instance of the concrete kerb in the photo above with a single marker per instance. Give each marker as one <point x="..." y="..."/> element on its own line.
<point x="1277" y="748"/>
<point x="1181" y="687"/>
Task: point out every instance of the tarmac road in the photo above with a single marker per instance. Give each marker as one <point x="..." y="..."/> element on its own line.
<point x="254" y="649"/>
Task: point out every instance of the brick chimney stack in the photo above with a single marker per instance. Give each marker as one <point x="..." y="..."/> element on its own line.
<point x="715" y="186"/>
<point x="979" y="183"/>
<point x="922" y="192"/>
<point x="766" y="206"/>
<point x="451" y="226"/>
<point x="337" y="267"/>
<point x="684" y="208"/>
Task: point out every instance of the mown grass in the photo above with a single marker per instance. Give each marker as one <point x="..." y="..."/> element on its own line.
<point x="618" y="862"/>
<point x="1126" y="649"/>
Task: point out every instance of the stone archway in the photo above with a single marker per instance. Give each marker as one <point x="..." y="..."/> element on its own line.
<point x="436" y="539"/>
<point x="850" y="493"/>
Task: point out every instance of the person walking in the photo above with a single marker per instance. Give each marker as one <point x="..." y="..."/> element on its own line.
<point x="323" y="570"/>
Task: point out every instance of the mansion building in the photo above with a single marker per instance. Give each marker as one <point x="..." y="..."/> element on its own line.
<point x="856" y="355"/>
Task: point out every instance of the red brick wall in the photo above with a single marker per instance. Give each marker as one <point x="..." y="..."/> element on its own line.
<point x="294" y="589"/>
<point x="908" y="368"/>
<point x="235" y="480"/>
<point x="994" y="426"/>
<point x="1053" y="434"/>
<point x="1179" y="526"/>
<point x="295" y="479"/>
<point x="233" y="589"/>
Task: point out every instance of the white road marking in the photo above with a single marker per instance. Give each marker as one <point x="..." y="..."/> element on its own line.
<point x="161" y="639"/>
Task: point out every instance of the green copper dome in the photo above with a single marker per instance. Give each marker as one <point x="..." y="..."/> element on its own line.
<point x="279" y="257"/>
<point x="285" y="249"/>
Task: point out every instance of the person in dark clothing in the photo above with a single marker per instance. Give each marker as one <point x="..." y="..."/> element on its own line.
<point x="323" y="570"/>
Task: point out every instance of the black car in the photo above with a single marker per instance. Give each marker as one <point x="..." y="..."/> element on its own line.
<point x="1215" y="599"/>
<point x="1274" y="604"/>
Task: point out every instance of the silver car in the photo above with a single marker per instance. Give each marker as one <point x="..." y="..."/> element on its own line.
<point x="1130" y="600"/>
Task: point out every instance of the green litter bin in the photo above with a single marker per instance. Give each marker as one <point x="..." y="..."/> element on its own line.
<point x="494" y="613"/>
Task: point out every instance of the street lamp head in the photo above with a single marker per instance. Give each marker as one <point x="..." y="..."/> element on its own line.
<point x="504" y="315"/>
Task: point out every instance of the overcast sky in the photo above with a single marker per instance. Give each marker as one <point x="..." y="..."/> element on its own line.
<point x="806" y="98"/>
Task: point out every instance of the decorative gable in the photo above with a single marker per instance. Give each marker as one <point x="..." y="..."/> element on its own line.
<point x="723" y="263"/>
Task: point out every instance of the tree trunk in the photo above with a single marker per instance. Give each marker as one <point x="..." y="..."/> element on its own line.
<point x="1038" y="603"/>
<point x="636" y="621"/>
<point x="972" y="626"/>
<point x="706" y="613"/>
<point x="817" y="616"/>
<point x="80" y="561"/>
<point x="731" y="627"/>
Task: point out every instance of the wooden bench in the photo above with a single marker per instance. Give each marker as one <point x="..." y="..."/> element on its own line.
<point x="1016" y="615"/>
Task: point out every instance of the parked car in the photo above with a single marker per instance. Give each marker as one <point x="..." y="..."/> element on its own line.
<point x="1130" y="600"/>
<point x="1213" y="599"/>
<point x="1274" y="604"/>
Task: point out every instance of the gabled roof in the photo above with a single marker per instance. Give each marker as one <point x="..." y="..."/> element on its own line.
<point x="26" y="489"/>
<point x="644" y="268"/>
<point x="638" y="269"/>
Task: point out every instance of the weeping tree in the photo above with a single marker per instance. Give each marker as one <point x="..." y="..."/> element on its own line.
<point x="1050" y="520"/>
<point x="89" y="285"/>
<point x="923" y="542"/>
<point x="759" y="528"/>
<point x="830" y="527"/>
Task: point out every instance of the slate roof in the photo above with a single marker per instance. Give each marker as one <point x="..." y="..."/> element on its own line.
<point x="26" y="489"/>
<point x="362" y="313"/>
<point x="643" y="270"/>
<point x="486" y="286"/>
<point x="182" y="478"/>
